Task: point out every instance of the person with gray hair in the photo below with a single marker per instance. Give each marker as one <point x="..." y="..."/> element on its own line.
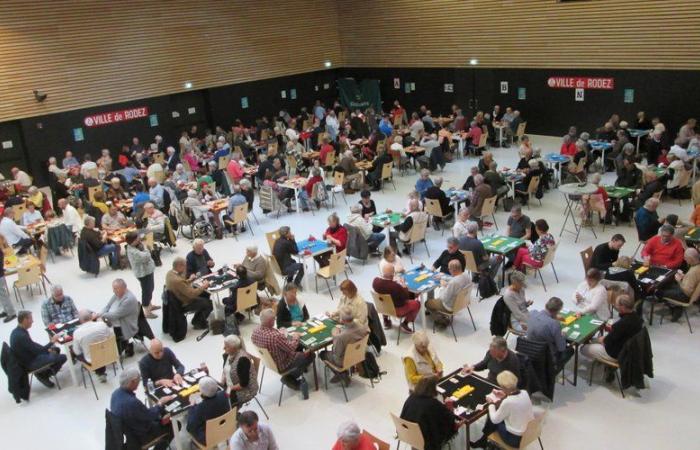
<point x="446" y="294"/>
<point x="122" y="312"/>
<point x="252" y="434"/>
<point x="519" y="225"/>
<point x="353" y="177"/>
<point x="199" y="262"/>
<point x="544" y="326"/>
<point x="459" y="229"/>
<point x="239" y="377"/>
<point x="256" y="265"/>
<point x="283" y="250"/>
<point x="498" y="358"/>
<point x="435" y="192"/>
<point x="663" y="249"/>
<point x="481" y="192"/>
<point x="423" y="182"/>
<point x="143" y="423"/>
<point x="214" y="404"/>
<point x="58" y="308"/>
<point x="469" y="242"/>
<point x="365" y="228"/>
<point x="346" y="333"/>
<point x="514" y="298"/>
<point x="89" y="332"/>
<point x="98" y="242"/>
<point x="350" y="437"/>
<point x="684" y="284"/>
<point x="403" y="230"/>
<point x="192" y="299"/>
<point x="450" y="253"/>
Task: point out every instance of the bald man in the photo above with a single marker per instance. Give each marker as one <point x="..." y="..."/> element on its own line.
<point x="89" y="332"/>
<point x="161" y="365"/>
<point x="404" y="301"/>
<point x="684" y="284"/>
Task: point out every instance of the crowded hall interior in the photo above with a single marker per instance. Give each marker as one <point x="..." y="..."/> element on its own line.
<point x="349" y="225"/>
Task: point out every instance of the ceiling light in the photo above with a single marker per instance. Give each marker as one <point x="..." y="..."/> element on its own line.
<point x="188" y="85"/>
<point x="473" y="61"/>
<point x="327" y="64"/>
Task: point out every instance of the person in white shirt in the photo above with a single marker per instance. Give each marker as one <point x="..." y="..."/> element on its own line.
<point x="13" y="233"/>
<point x="90" y="332"/>
<point x="31" y="215"/>
<point x="679" y="152"/>
<point x="21" y="177"/>
<point x="252" y="435"/>
<point x="511" y="417"/>
<point x="591" y="297"/>
<point x="71" y="217"/>
<point x="292" y="134"/>
<point x="88" y="166"/>
<point x="356" y="220"/>
<point x="332" y="125"/>
<point x="417" y="126"/>
<point x="459" y="229"/>
<point x="54" y="169"/>
<point x="156" y="220"/>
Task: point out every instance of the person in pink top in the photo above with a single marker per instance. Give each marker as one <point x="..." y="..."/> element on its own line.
<point x="234" y="169"/>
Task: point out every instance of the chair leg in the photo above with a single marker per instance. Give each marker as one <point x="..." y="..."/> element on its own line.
<point x="342" y="384"/>
<point x="542" y="279"/>
<point x="398" y="335"/>
<point x="92" y="383"/>
<point x="55" y="378"/>
<point x="82" y="373"/>
<point x="426" y="247"/>
<point x="556" y="277"/>
<point x="687" y="319"/>
<point x="471" y="317"/>
<point x="316" y="280"/>
<point x="619" y="383"/>
<point x="279" y="402"/>
<point x="262" y="376"/>
<point x="329" y="288"/>
<point x="590" y="373"/>
<point x="540" y="441"/>
<point x="261" y="408"/>
<point x="453" y="328"/>
<point x="325" y="377"/>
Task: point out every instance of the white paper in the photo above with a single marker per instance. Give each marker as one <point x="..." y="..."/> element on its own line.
<point x="460" y="410"/>
<point x="575" y="335"/>
<point x="454" y="380"/>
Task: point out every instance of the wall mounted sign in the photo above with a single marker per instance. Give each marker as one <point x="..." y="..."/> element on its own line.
<point x="78" y="134"/>
<point x="397" y="83"/>
<point x="522" y="93"/>
<point x="109" y="118"/>
<point x="191" y="110"/>
<point x="244" y="102"/>
<point x="581" y="83"/>
<point x="629" y="95"/>
<point x="504" y="87"/>
<point x="293" y="94"/>
<point x="449" y="87"/>
<point x="283" y="94"/>
<point x="6" y="145"/>
<point x="326" y="86"/>
<point x="175" y="114"/>
<point x="407" y="88"/>
<point x="578" y="96"/>
<point x="153" y="120"/>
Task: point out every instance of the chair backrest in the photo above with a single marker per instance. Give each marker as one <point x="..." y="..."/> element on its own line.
<point x="376" y="442"/>
<point x="534" y="429"/>
<point x="220" y="429"/>
<point x="159" y="158"/>
<point x="104" y="352"/>
<point x="246" y="297"/>
<point x="549" y="256"/>
<point x="223" y="162"/>
<point x="336" y="263"/>
<point x="148" y="239"/>
<point x="355" y="353"/>
<point x="463" y="300"/>
<point x="684" y="178"/>
<point x="292" y="162"/>
<point x="240" y="213"/>
<point x="432" y="207"/>
<point x="47" y="194"/>
<point x="534" y="184"/>
<point x="586" y="256"/>
<point x="384" y="304"/>
<point x="417" y="232"/>
<point x="489" y="206"/>
<point x="338" y="178"/>
<point x="521" y="129"/>
<point x="330" y="159"/>
<point x="482" y="140"/>
<point x="27" y="275"/>
<point x="386" y="170"/>
<point x="267" y="359"/>
<point x="272" y="237"/>
<point x="267" y="197"/>
<point x="308" y="123"/>
<point x="470" y="262"/>
<point x="19" y="211"/>
<point x="275" y="265"/>
<point x="408" y="432"/>
<point x="381" y="145"/>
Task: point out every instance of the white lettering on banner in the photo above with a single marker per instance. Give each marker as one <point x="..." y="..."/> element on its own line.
<point x="581" y="83"/>
<point x="116" y="116"/>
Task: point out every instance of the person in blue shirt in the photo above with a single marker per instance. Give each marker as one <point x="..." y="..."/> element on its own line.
<point x="289" y="310"/>
<point x="141" y="197"/>
<point x="69" y="161"/>
<point x="385" y="126"/>
<point x="214" y="404"/>
<point x="543" y="326"/>
<point x="138" y="420"/>
<point x="423" y="183"/>
<point x="222" y="149"/>
<point x="161" y="366"/>
<point x="129" y="172"/>
<point x="156" y="193"/>
<point x="319" y="110"/>
<point x="31" y="355"/>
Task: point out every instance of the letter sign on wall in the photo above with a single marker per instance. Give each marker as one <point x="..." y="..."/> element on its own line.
<point x="581" y="83"/>
<point x="109" y="118"/>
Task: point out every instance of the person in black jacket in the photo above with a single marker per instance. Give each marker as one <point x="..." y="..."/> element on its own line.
<point x="214" y="404"/>
<point x="452" y="252"/>
<point x="284" y="248"/>
<point x="231" y="302"/>
<point x="198" y="260"/>
<point x="436" y="420"/>
<point x="98" y="242"/>
<point x="374" y="174"/>
<point x="31" y="355"/>
<point x="435" y="192"/>
<point x="607" y="253"/>
<point x="290" y="311"/>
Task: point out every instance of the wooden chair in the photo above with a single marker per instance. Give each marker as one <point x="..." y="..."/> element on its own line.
<point x="693" y="299"/>
<point x="27" y="277"/>
<point x="432" y="207"/>
<point x="269" y="200"/>
<point x="272" y="237"/>
<point x="408" y="432"/>
<point x="354" y="354"/>
<point x="417" y="234"/>
<point x="256" y="364"/>
<point x="385" y="306"/>
<point x="531" y="190"/>
<point x="683" y="182"/>
<point x="461" y="303"/>
<point x="488" y="208"/>
<point x="612" y="364"/>
<point x="387" y="174"/>
<point x="378" y="443"/>
<point x="483" y="141"/>
<point x="269" y="363"/>
<point x="338" y="182"/>
<point x="520" y="132"/>
<point x="247" y="298"/>
<point x="240" y="216"/>
<point x="292" y="165"/>
<point x="548" y="260"/>
<point x="329" y="163"/>
<point x="19" y="211"/>
<point x="532" y="432"/>
<point x="92" y="191"/>
<point x="586" y="257"/>
<point x="218" y="430"/>
<point x="336" y="264"/>
<point x="223" y="162"/>
<point x="102" y="354"/>
<point x="46" y="190"/>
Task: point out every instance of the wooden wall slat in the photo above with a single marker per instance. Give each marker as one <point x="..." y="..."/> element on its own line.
<point x="89" y="53"/>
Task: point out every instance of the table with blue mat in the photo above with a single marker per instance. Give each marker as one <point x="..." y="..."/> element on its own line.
<point x="578" y="331"/>
<point x="501" y="245"/>
<point x="555" y="162"/>
<point x="315" y="334"/>
<point x="511" y="176"/>
<point x="421" y="281"/>
<point x="313" y="247"/>
<point x="638" y="134"/>
<point x="601" y="146"/>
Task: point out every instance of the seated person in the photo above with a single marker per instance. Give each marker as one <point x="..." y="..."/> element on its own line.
<point x="347" y="332"/>
<point x="367" y="204"/>
<point x="283" y="350"/>
<point x="115" y="190"/>
<point x="336" y="236"/>
<point x="141" y="197"/>
<point x="161" y="366"/>
<point x="607" y="253"/>
<point x="58" y="308"/>
<point x="390" y="258"/>
<point x="459" y="229"/>
<point x="283" y="250"/>
<point x="155" y="220"/>
<point x="351" y="437"/>
<point x="469" y="183"/>
<point x="647" y="220"/>
<point x="663" y="250"/>
<point x="514" y="297"/>
<point x="591" y="296"/>
<point x="436" y="420"/>
<point x="518" y="224"/>
<point x="498" y="358"/>
<point x="255" y="265"/>
<point x="423" y="183"/>
<point x="495" y="180"/>
<point x="13" y="233"/>
<point x="231" y="302"/>
<point x="609" y="346"/>
<point x="531" y="170"/>
<point x="421" y="361"/>
<point x="404" y="301"/>
<point x="90" y="332"/>
<point x="113" y="220"/>
<point x="652" y="185"/>
<point x="534" y="254"/>
<point x="414" y="216"/>
<point x="145" y="424"/>
<point x="509" y="412"/>
<point x="98" y="242"/>
<point x="544" y="326"/>
<point x="471" y="243"/>
<point x="32" y="356"/>
<point x="306" y="194"/>
<point x="435" y="192"/>
<point x="31" y="215"/>
<point x="451" y="253"/>
<point x="213" y="404"/>
<point x="482" y="191"/>
<point x="192" y="299"/>
<point x="350" y="298"/>
<point x="122" y="312"/>
<point x="252" y="434"/>
<point x="365" y="228"/>
<point x="199" y="262"/>
<point x="684" y="283"/>
<point x="239" y="377"/>
<point x="99" y="202"/>
<point x="290" y="311"/>
<point x="446" y="294"/>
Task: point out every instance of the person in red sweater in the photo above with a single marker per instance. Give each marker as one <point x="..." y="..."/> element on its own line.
<point x="326" y="149"/>
<point x="350" y="437"/>
<point x="663" y="250"/>
<point x="568" y="147"/>
<point x="406" y="305"/>
<point x="305" y="194"/>
<point x="336" y="235"/>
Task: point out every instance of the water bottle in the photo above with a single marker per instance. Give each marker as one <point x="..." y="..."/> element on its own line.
<point x="150" y="386"/>
<point x="304" y="386"/>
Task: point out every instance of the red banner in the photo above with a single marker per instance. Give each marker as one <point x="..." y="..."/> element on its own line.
<point x="581" y="83"/>
<point x="109" y="118"/>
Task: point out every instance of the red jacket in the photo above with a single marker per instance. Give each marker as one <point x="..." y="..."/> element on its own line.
<point x="666" y="255"/>
<point x="568" y="150"/>
<point x="325" y="150"/>
<point x="310" y="184"/>
<point x="399" y="294"/>
<point x="340" y="234"/>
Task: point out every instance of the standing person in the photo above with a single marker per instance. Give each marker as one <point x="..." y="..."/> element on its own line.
<point x="143" y="266"/>
<point x="8" y="307"/>
<point x="122" y="312"/>
<point x="514" y="297"/>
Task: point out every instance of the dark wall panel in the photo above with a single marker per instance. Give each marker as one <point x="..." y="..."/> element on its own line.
<point x="11" y="133"/>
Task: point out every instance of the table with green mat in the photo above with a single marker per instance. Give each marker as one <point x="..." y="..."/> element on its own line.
<point x="659" y="171"/>
<point x="693" y="236"/>
<point x="501" y="245"/>
<point x="315" y="334"/>
<point x="578" y="332"/>
<point x="381" y="220"/>
<point x="618" y="192"/>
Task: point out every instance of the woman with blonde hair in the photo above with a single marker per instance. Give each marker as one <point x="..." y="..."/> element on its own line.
<point x="353" y="300"/>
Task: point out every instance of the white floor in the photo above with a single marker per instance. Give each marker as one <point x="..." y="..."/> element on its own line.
<point x="581" y="417"/>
